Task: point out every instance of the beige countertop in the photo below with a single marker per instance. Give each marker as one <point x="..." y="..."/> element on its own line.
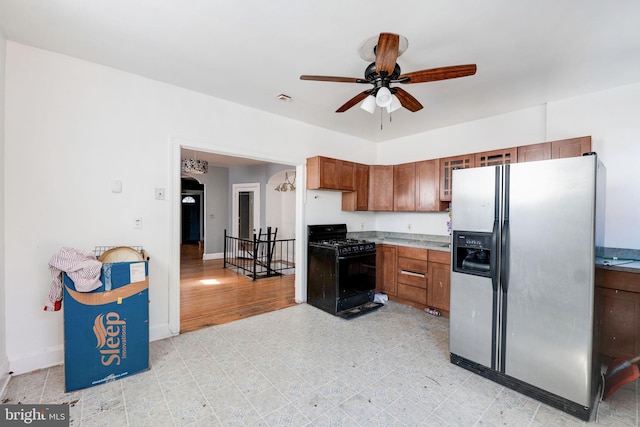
<point x="414" y="240"/>
<point x="414" y="243"/>
<point x="628" y="265"/>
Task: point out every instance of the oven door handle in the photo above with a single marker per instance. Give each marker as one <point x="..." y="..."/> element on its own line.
<point x="361" y="255"/>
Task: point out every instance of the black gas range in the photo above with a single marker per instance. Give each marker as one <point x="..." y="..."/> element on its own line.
<point x="341" y="273"/>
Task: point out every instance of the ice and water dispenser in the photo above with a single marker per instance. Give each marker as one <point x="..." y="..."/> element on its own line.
<point x="472" y="252"/>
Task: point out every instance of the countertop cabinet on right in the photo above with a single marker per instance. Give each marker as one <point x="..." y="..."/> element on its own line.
<point x="620" y="327"/>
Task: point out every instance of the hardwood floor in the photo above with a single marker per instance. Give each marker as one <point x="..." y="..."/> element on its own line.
<point x="212" y="295"/>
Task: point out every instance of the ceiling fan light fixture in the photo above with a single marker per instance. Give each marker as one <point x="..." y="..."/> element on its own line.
<point x="383" y="97"/>
<point x="367" y="49"/>
<point x="394" y="105"/>
<point x="369" y="104"/>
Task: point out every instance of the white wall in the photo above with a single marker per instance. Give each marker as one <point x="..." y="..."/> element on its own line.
<point x="71" y="128"/>
<point x="4" y="361"/>
<point x="516" y="128"/>
<point x="280" y="206"/>
<point x="610" y="117"/>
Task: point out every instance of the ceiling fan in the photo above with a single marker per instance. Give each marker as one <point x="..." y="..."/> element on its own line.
<point x="385" y="71"/>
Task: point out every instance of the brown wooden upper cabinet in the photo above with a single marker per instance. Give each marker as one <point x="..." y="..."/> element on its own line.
<point x="447" y="165"/>
<point x="424" y="186"/>
<point x="534" y="152"/>
<point x="358" y="200"/>
<point x="416" y="187"/>
<point x="380" y="188"/>
<point x="324" y="173"/>
<point x="428" y="186"/>
<point x="496" y="157"/>
<point x="404" y="187"/>
<point x="573" y="147"/>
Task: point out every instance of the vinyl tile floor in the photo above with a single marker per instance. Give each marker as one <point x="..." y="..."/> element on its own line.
<point x="300" y="366"/>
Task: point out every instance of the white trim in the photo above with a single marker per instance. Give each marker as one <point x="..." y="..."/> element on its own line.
<point x="4" y="377"/>
<point x="51" y="356"/>
<point x="173" y="303"/>
<point x="160" y="332"/>
<point x="175" y="144"/>
<point x="236" y="190"/>
<point x="218" y="255"/>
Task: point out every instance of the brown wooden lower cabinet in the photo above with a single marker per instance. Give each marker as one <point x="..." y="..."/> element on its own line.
<point x="619" y="292"/>
<point x="386" y="269"/>
<point x="414" y="276"/>
<point x="439" y="281"/>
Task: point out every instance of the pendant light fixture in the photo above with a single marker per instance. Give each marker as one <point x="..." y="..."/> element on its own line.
<point x="194" y="166"/>
<point x="287" y="185"/>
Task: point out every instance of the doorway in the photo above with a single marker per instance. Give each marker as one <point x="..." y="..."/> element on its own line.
<point x="245" y="212"/>
<point x="192" y="211"/>
<point x="191" y="206"/>
<point x="201" y="267"/>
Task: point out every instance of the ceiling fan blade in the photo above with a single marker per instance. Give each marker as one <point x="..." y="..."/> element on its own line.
<point x="435" y="74"/>
<point x="334" y="79"/>
<point x="353" y="101"/>
<point x="387" y="52"/>
<point x="407" y="100"/>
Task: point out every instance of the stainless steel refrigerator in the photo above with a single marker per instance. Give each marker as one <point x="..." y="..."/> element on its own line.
<point x="524" y="312"/>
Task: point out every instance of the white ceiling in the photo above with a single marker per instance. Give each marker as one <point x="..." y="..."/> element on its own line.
<point x="528" y="52"/>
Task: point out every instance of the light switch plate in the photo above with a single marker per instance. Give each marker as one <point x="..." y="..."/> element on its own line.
<point x="116" y="186"/>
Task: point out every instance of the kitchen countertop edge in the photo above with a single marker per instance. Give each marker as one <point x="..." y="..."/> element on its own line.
<point x="422" y="241"/>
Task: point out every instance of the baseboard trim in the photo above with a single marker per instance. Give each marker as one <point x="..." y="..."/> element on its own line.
<point x="55" y="356"/>
<point x="32" y="362"/>
<point x="218" y="255"/>
<point x="4" y="377"/>
<point x="160" y="332"/>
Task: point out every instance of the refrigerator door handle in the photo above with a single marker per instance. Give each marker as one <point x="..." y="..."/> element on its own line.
<point x="495" y="232"/>
<point x="495" y="277"/>
<point x="504" y="270"/>
<point x="504" y="246"/>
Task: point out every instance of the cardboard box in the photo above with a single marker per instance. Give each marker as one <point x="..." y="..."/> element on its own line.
<point x="106" y="332"/>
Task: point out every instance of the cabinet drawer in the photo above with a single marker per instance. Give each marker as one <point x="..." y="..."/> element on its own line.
<point x="412" y="278"/>
<point x="416" y="253"/>
<point x="412" y="293"/>
<point x="441" y="257"/>
<point x="410" y="264"/>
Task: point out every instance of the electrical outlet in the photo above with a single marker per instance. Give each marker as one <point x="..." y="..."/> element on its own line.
<point x="159" y="193"/>
<point x="137" y="223"/>
<point x="409" y="227"/>
<point x="362" y="226"/>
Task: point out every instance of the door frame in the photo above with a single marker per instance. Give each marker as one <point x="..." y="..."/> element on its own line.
<point x="236" y="189"/>
<point x="175" y="146"/>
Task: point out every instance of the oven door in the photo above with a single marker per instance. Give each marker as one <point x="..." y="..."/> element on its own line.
<point x="356" y="274"/>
